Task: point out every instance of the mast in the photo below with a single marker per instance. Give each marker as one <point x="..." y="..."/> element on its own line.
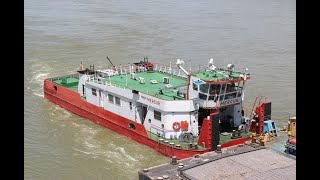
<point x="112" y="63"/>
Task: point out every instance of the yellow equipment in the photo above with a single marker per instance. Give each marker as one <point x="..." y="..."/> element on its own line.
<point x="292" y="126"/>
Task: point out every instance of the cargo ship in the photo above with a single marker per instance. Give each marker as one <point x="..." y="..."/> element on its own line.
<point x="174" y="111"/>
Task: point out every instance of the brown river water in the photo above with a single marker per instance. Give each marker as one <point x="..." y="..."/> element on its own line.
<point x="256" y="34"/>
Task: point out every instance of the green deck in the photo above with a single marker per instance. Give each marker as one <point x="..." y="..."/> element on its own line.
<point x="148" y="87"/>
<point x="168" y="93"/>
<point x="68" y="82"/>
<point x="185" y="145"/>
<point x="217" y="75"/>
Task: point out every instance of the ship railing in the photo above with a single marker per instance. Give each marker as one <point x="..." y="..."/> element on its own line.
<point x="160" y="131"/>
<point x="104" y="81"/>
<point x="156" y="128"/>
<point x="75" y="75"/>
<point x="109" y="83"/>
<point x="165" y="69"/>
<point x="172" y="70"/>
<point x="281" y="114"/>
<point x="200" y="68"/>
<point x="169" y="70"/>
<point x="280" y="117"/>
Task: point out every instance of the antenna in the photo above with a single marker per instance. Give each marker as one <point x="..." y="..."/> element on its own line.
<point x="111" y="63"/>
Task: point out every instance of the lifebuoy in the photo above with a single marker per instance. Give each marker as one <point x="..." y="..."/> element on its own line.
<point x="176" y="126"/>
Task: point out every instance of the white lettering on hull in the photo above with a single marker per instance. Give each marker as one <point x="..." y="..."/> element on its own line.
<point x="230" y="101"/>
<point x="151" y="100"/>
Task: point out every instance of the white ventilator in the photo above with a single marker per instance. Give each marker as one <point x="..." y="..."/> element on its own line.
<point x="211" y="66"/>
<point x="179" y="64"/>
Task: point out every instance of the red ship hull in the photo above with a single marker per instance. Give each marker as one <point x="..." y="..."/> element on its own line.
<point x="72" y="101"/>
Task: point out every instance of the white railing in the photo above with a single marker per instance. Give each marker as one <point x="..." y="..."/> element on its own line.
<point x="76" y="75"/>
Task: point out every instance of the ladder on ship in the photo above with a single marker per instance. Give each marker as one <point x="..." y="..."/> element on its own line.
<point x="258" y="102"/>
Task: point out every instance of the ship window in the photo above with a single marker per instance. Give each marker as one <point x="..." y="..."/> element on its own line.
<point x="162" y="126"/>
<point x="214" y="89"/>
<point x="157" y="115"/>
<point x="195" y="87"/>
<point x="231" y="88"/>
<point x="203" y="96"/>
<point x="221" y="97"/>
<point x="149" y="120"/>
<point x="239" y="93"/>
<point x="223" y="88"/>
<point x="239" y="84"/>
<point x="239" y="87"/>
<point x="117" y="101"/>
<point x="214" y="98"/>
<point x="204" y="88"/>
<point x="94" y="92"/>
<point x="130" y="105"/>
<point x="55" y="88"/>
<point x="110" y="97"/>
<point x="230" y="96"/>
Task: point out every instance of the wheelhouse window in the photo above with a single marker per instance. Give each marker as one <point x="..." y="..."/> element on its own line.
<point x="157" y="115"/>
<point x="204" y="88"/>
<point x="110" y="97"/>
<point x="214" y="98"/>
<point x="231" y="91"/>
<point x="195" y="86"/>
<point x="223" y="89"/>
<point x="203" y="96"/>
<point x="230" y="96"/>
<point x="214" y="89"/>
<point x="117" y="101"/>
<point x="239" y="87"/>
<point x="94" y="92"/>
<point x="231" y="88"/>
<point x="130" y="105"/>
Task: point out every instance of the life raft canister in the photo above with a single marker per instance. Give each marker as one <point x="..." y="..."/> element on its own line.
<point x="184" y="125"/>
<point x="176" y="126"/>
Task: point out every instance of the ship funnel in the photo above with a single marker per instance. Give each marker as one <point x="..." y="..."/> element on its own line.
<point x="179" y="64"/>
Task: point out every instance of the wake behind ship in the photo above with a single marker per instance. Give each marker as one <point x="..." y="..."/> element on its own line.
<point x="176" y="112"/>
